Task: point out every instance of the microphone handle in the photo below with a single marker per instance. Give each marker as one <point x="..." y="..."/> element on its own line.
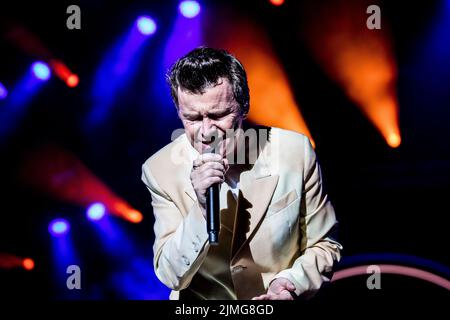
<point x="213" y="214"/>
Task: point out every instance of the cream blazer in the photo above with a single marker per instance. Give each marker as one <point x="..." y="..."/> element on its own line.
<point x="292" y="223"/>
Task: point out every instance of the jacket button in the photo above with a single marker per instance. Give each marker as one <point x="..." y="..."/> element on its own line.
<point x="196" y="245"/>
<point x="186" y="260"/>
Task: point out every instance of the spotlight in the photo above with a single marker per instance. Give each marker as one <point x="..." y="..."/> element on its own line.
<point x="3" y="91"/>
<point x="133" y="216"/>
<point x="189" y="8"/>
<point x="28" y="264"/>
<point x="72" y="80"/>
<point x="58" y="227"/>
<point x="41" y="70"/>
<point x="146" y="25"/>
<point x="96" y="211"/>
<point x="394" y="140"/>
<point x="277" y="2"/>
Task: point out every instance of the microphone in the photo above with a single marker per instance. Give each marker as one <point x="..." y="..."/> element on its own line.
<point x="212" y="213"/>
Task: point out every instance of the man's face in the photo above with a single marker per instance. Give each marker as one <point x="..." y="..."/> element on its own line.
<point x="209" y="115"/>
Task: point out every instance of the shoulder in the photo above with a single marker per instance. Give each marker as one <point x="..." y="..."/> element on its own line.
<point x="290" y="150"/>
<point x="169" y="160"/>
<point x="289" y="141"/>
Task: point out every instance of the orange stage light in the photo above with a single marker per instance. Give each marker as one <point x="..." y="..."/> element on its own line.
<point x="10" y="261"/>
<point x="360" y="60"/>
<point x="32" y="45"/>
<point x="72" y="80"/>
<point x="277" y="2"/>
<point x="28" y="264"/>
<point x="272" y="101"/>
<point x="60" y="174"/>
<point x="64" y="73"/>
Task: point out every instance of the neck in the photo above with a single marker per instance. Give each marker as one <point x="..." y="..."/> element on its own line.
<point x="232" y="176"/>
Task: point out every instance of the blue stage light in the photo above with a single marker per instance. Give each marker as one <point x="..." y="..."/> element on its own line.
<point x="41" y="70"/>
<point x="189" y="8"/>
<point x="3" y="91"/>
<point x="58" y="227"/>
<point x="96" y="211"/>
<point x="146" y="25"/>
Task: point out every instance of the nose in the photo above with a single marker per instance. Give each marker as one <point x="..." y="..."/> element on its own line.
<point x="208" y="130"/>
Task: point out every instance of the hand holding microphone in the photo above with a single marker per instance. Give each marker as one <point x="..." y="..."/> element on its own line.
<point x="207" y="174"/>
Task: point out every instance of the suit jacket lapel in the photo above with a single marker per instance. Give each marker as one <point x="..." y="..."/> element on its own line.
<point x="189" y="190"/>
<point x="256" y="189"/>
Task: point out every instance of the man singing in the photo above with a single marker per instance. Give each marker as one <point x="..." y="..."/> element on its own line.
<point x="277" y="231"/>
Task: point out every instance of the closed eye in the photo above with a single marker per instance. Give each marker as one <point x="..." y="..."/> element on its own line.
<point x="217" y="116"/>
<point x="192" y="117"/>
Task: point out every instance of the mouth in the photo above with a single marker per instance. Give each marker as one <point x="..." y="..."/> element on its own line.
<point x="206" y="146"/>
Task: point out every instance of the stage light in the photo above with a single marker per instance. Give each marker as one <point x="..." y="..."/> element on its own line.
<point x="267" y="78"/>
<point x="133" y="216"/>
<point x="28" y="264"/>
<point x="72" y="80"/>
<point x="360" y="61"/>
<point x="146" y="25"/>
<point x="277" y="2"/>
<point x="189" y="8"/>
<point x="41" y="70"/>
<point x="96" y="211"/>
<point x="62" y="71"/>
<point x="46" y="170"/>
<point x="3" y="91"/>
<point x="394" y="140"/>
<point x="58" y="227"/>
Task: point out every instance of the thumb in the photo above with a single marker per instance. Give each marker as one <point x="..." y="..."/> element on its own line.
<point x="290" y="286"/>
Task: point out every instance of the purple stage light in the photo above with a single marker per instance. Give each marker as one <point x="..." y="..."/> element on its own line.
<point x="146" y="25"/>
<point x="41" y="70"/>
<point x="96" y="211"/>
<point x="58" y="227"/>
<point x="3" y="91"/>
<point x="189" y="8"/>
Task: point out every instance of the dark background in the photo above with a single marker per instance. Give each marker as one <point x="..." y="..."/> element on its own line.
<point x="387" y="200"/>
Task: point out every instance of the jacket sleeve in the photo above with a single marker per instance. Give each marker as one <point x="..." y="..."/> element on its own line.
<point x="319" y="247"/>
<point x="180" y="241"/>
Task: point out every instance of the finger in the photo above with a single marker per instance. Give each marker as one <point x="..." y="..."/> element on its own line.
<point x="273" y="297"/>
<point x="290" y="286"/>
<point x="282" y="284"/>
<point x="208" y="157"/>
<point x="197" y="162"/>
<point x="213" y="165"/>
<point x="284" y="295"/>
<point x="212" y="180"/>
<point x="208" y="173"/>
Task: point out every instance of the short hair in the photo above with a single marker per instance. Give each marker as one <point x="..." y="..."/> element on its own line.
<point x="202" y="68"/>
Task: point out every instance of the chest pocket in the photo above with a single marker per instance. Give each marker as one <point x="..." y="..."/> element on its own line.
<point x="284" y="213"/>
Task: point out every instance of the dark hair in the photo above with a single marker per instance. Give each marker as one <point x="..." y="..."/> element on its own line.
<point x="203" y="67"/>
